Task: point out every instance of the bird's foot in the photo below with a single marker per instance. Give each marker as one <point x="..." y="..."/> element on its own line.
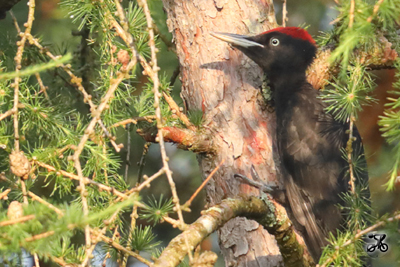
<point x="256" y="181"/>
<point x="259" y="185"/>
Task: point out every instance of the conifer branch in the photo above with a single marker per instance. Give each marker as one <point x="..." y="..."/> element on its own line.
<point x="177" y="111"/>
<point x="351" y="13"/>
<point x="157" y="95"/>
<point x="89" y="130"/>
<point x="85" y="180"/>
<point x="284" y="13"/>
<point x="269" y="214"/>
<point x="15" y="22"/>
<point x="110" y="137"/>
<point x="134" y="120"/>
<point x="18" y="59"/>
<point x="18" y="220"/>
<point x="147" y="181"/>
<point x="128" y="152"/>
<point x="185" y="139"/>
<point x="35" y="69"/>
<point x="380" y="55"/>
<point x="36" y="258"/>
<point x="6" y="114"/>
<point x="142" y="161"/>
<point x="359" y="235"/>
<point x="41" y="235"/>
<point x="3" y="195"/>
<point x="349" y="149"/>
<point x="376" y="9"/>
<point x="32" y="195"/>
<point x="24" y="193"/>
<point x="44" y="202"/>
<point x="43" y="88"/>
<point x="59" y="261"/>
<point x="121" y="248"/>
<point x="134" y="216"/>
<point x="87" y="98"/>
<point x="97" y="238"/>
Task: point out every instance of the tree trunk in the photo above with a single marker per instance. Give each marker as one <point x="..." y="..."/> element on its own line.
<point x="225" y="85"/>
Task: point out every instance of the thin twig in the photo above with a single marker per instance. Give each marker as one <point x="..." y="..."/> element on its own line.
<point x="176" y="110"/>
<point x="15" y="21"/>
<point x="97" y="239"/>
<point x="43" y="88"/>
<point x="121" y="248"/>
<point x="110" y="137"/>
<point x="147" y="181"/>
<point x="128" y="151"/>
<point x="349" y="149"/>
<point x="142" y="161"/>
<point x="376" y="9"/>
<point x="35" y="256"/>
<point x="6" y="114"/>
<point x="59" y="261"/>
<point x="33" y="196"/>
<point x="5" y="193"/>
<point x="105" y="164"/>
<point x="87" y="98"/>
<point x="157" y="95"/>
<point x="24" y="193"/>
<point x="351" y="13"/>
<point x="39" y="236"/>
<point x="189" y="202"/>
<point x="133" y="120"/>
<point x="18" y="59"/>
<point x="284" y="14"/>
<point x="173" y="222"/>
<point x="86" y="180"/>
<point x="170" y="45"/>
<point x="44" y="202"/>
<point x="133" y="216"/>
<point x="18" y="220"/>
<point x="175" y="75"/>
<point x="89" y="130"/>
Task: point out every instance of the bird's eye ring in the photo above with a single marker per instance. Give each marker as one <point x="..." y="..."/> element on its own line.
<point x="274" y="42"/>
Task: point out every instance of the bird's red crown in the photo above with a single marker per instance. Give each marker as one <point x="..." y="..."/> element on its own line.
<point x="294" y="32"/>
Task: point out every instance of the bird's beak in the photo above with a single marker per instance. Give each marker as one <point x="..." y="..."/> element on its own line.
<point x="236" y="39"/>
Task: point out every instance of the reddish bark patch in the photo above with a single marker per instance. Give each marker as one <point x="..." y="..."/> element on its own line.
<point x="253" y="145"/>
<point x="174" y="134"/>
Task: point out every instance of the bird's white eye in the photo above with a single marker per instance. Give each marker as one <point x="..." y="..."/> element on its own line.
<point x="274" y="42"/>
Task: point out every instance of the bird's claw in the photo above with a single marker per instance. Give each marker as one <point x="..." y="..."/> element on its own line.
<point x="259" y="185"/>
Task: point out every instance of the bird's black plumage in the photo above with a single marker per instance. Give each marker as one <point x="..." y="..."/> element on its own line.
<point x="309" y="138"/>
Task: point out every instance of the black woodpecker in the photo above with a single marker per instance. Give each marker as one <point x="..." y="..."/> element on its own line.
<point x="309" y="139"/>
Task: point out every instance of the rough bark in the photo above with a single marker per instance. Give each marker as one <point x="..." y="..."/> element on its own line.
<point x="225" y="85"/>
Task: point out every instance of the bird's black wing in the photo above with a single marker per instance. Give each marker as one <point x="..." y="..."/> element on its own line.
<point x="312" y="166"/>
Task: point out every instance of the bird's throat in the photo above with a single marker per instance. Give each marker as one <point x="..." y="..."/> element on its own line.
<point x="285" y="87"/>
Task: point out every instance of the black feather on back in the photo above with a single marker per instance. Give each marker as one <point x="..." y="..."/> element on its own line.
<point x="310" y="142"/>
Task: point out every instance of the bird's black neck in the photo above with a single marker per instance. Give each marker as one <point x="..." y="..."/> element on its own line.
<point x="286" y="86"/>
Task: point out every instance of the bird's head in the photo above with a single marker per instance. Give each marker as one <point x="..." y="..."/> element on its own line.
<point x="280" y="50"/>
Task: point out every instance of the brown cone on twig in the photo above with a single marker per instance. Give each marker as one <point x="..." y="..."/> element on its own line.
<point x="19" y="164"/>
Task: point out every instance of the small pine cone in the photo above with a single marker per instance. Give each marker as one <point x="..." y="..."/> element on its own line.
<point x="19" y="164"/>
<point x="123" y="57"/>
<point x="15" y="210"/>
